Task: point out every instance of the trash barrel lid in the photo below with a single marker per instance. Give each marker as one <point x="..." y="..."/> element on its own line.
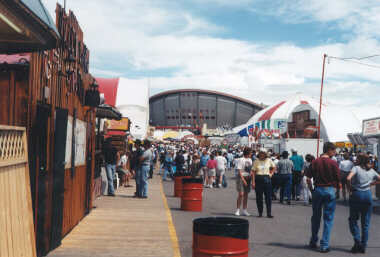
<point x="192" y="180"/>
<point x="222" y="226"/>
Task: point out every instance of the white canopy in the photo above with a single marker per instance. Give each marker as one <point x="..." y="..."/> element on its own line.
<point x="132" y="100"/>
<point x="336" y="122"/>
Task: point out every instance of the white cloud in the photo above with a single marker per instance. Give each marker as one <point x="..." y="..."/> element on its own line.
<point x="151" y="35"/>
<point x="359" y="17"/>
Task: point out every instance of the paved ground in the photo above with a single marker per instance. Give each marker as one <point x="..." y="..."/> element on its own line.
<point x="286" y="235"/>
<point x="124" y="226"/>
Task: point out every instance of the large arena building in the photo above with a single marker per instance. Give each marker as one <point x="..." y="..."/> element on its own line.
<point x="191" y="108"/>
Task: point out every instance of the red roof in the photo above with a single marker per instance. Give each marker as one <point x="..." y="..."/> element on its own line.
<point x="108" y="87"/>
<point x="268" y="114"/>
<point x="14" y="58"/>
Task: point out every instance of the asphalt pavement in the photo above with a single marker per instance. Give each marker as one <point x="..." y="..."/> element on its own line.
<point x="286" y="235"/>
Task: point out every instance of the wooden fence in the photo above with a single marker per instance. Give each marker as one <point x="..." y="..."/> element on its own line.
<point x="17" y="237"/>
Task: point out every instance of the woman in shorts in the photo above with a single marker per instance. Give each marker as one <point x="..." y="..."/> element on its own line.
<point x="243" y="181"/>
<point x="211" y="166"/>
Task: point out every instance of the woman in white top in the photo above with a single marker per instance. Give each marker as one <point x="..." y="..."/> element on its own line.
<point x="263" y="169"/>
<point x="243" y="181"/>
<point x="361" y="178"/>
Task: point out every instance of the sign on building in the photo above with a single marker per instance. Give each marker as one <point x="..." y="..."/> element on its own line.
<point x="371" y="127"/>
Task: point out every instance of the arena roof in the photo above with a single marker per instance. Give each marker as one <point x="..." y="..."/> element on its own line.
<point x="177" y="91"/>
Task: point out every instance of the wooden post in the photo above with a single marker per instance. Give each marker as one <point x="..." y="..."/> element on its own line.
<point x="320" y="104"/>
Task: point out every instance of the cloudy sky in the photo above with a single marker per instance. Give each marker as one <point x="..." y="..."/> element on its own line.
<point x="261" y="50"/>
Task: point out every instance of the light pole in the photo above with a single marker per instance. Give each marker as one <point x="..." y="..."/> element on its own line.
<point x="320" y="103"/>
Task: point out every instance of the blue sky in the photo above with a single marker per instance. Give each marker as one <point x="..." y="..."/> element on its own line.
<point x="256" y="49"/>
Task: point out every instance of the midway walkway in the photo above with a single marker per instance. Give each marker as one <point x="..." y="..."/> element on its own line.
<point x="124" y="226"/>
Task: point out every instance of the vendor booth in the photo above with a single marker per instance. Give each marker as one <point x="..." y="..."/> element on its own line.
<point x="371" y="131"/>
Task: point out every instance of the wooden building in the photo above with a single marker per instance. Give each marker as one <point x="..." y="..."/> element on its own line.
<point x="46" y="93"/>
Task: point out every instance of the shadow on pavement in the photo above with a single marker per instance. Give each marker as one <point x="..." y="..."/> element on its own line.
<point x="346" y="249"/>
<point x="175" y="209"/>
<point x="223" y="214"/>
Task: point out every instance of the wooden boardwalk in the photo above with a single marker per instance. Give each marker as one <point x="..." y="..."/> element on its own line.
<point x="124" y="226"/>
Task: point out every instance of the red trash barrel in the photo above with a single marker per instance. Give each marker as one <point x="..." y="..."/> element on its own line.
<point x="191" y="199"/>
<point x="178" y="185"/>
<point x="220" y="236"/>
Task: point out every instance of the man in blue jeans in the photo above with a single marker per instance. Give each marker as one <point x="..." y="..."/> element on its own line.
<point x="145" y="161"/>
<point x="325" y="173"/>
<point x="110" y="158"/>
<point x="297" y="174"/>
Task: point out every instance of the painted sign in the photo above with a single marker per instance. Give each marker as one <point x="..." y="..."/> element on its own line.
<point x="122" y="124"/>
<point x="371" y="127"/>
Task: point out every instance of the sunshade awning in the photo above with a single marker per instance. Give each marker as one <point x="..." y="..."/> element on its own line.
<point x="106" y="111"/>
<point x="26" y="26"/>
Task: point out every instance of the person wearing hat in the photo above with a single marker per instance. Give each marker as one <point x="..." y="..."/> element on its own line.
<point x="298" y="164"/>
<point x="262" y="171"/>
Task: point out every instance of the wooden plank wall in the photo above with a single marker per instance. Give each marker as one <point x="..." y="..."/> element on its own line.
<point x="14" y="95"/>
<point x="75" y="196"/>
<point x="16" y="217"/>
<point x="56" y="78"/>
<point x="64" y="73"/>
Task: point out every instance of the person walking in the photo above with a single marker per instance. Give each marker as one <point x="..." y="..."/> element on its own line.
<point x="168" y="162"/>
<point x="284" y="171"/>
<point x="180" y="162"/>
<point x="211" y="166"/>
<point x="297" y="174"/>
<point x="263" y="169"/>
<point x="110" y="159"/>
<point x="345" y="167"/>
<point x="220" y="167"/>
<point x="325" y="173"/>
<point x="243" y="181"/>
<point x="136" y="165"/>
<point x="361" y="178"/>
<point x="195" y="166"/>
<point x="204" y="159"/>
<point x="307" y="188"/>
<point x="145" y="160"/>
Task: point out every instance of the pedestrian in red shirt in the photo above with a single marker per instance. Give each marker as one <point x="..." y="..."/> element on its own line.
<point x="325" y="173"/>
<point x="211" y="166"/>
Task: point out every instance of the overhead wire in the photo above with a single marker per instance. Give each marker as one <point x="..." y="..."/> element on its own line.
<point x="352" y="60"/>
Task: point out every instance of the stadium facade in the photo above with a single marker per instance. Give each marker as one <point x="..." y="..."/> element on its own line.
<point x="191" y="108"/>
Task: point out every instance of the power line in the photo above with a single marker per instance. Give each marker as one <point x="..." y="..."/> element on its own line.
<point x="357" y="62"/>
<point x="362" y="58"/>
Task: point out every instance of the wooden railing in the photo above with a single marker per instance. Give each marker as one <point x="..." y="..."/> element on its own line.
<point x="17" y="236"/>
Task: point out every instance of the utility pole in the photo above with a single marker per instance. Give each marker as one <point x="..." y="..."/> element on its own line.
<point x="320" y="104"/>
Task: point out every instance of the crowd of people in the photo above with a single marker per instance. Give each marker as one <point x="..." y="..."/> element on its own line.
<point x="284" y="177"/>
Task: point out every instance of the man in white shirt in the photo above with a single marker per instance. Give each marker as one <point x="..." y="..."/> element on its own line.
<point x="220" y="167"/>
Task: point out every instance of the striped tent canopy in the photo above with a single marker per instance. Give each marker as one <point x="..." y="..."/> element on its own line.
<point x="131" y="98"/>
<point x="336" y="121"/>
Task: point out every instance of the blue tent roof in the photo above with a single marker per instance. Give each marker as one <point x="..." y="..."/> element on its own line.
<point x="243" y="132"/>
<point x="40" y="11"/>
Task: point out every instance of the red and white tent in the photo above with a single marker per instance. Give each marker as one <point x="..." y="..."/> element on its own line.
<point x="336" y="121"/>
<point x="131" y="98"/>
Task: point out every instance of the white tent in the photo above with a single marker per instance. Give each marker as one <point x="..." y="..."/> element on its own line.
<point x="131" y="98"/>
<point x="336" y="121"/>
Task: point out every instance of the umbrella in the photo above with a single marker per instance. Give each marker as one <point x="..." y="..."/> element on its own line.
<point x="171" y="135"/>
